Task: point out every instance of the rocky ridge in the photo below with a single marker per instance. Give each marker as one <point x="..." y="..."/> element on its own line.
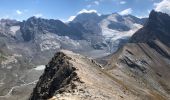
<point x="72" y="76"/>
<point x="145" y="60"/>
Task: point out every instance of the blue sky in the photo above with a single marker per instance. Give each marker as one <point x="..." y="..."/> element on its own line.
<point x="63" y="9"/>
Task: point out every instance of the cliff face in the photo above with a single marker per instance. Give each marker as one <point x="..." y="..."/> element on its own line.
<point x="38" y="26"/>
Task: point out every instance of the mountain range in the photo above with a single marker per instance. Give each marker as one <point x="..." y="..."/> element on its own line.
<point x="132" y="57"/>
<point x="138" y="70"/>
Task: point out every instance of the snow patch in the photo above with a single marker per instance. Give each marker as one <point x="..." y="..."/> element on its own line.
<point x="126" y="11"/>
<point x="113" y="37"/>
<point x="108" y="33"/>
<point x="14" y="29"/>
<point x="40" y="67"/>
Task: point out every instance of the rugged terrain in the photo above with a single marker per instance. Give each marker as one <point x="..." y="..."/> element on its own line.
<point x="70" y="76"/>
<point x="26" y="46"/>
<point x="137" y="71"/>
<point x="145" y="60"/>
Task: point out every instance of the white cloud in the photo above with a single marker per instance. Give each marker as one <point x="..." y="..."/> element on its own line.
<point x="122" y="2"/>
<point x="163" y="6"/>
<point x="126" y="11"/>
<point x="18" y="12"/>
<point x="38" y="15"/>
<point x="71" y="18"/>
<point x="86" y="11"/>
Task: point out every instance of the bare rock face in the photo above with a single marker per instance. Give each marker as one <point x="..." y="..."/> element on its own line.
<point x="59" y="73"/>
<point x="156" y="28"/>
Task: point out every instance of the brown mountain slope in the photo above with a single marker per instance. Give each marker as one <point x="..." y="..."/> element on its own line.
<point x="70" y="76"/>
<point x="142" y="68"/>
<point x="144" y="63"/>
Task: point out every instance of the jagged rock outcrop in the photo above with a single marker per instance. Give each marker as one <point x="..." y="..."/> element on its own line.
<point x="33" y="26"/>
<point x="59" y="73"/>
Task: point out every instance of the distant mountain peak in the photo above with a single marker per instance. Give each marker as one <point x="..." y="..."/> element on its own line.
<point x="156" y="28"/>
<point x="86" y="16"/>
<point x="158" y="18"/>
